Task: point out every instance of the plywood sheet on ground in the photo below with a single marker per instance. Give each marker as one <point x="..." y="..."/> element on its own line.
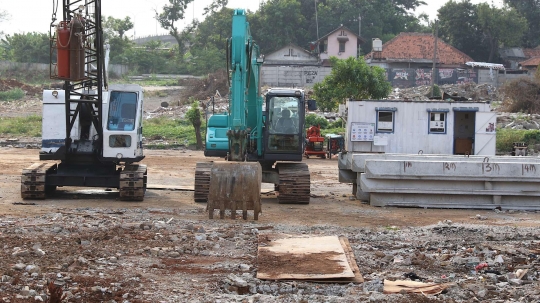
<point x="323" y="259"/>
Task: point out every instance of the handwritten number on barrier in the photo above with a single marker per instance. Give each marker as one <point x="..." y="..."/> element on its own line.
<point x="528" y="168"/>
<point x="449" y="166"/>
<point x="490" y="168"/>
<point x="405" y="165"/>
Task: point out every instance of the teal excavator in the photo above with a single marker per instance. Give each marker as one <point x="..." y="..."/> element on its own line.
<point x="261" y="137"/>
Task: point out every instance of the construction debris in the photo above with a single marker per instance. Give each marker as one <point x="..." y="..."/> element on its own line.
<point x="466" y="91"/>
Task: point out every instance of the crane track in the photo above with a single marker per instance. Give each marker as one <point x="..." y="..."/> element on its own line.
<point x="133" y="179"/>
<point x="203" y="170"/>
<point x="294" y="183"/>
<point x="33" y="180"/>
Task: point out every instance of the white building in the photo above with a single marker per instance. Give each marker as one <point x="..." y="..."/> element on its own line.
<point x="429" y="127"/>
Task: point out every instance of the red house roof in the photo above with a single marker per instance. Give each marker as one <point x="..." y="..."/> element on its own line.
<point x="533" y="62"/>
<point x="413" y="47"/>
<point x="531" y="52"/>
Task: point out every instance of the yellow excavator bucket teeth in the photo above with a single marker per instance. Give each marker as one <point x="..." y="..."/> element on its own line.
<point x="235" y="186"/>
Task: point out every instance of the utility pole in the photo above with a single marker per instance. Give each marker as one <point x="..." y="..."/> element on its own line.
<point x="434" y="55"/>
<point x="316" y="20"/>
<point x="359" y="25"/>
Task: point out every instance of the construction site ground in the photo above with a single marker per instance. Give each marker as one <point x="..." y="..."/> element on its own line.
<point x="165" y="249"/>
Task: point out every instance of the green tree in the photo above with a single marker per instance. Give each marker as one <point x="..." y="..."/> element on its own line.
<point x="194" y="116"/>
<point x="119" y="26"/>
<point x="458" y="26"/>
<point x="278" y="23"/>
<point x="172" y="13"/>
<point x="28" y="47"/>
<point x="530" y="9"/>
<point x="350" y="78"/>
<point x="500" y="27"/>
<point x="480" y="30"/>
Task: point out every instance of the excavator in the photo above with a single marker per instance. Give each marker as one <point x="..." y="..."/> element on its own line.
<point x="262" y="138"/>
<point x="91" y="132"/>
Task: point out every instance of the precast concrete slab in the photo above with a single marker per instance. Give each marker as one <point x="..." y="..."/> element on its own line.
<point x="455" y="201"/>
<point x="359" y="159"/>
<point x="345" y="160"/>
<point x="347" y="176"/>
<point x="450" y="170"/>
<point x="444" y="187"/>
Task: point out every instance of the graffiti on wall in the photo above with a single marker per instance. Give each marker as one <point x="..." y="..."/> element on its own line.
<point x="410" y="77"/>
<point x="423" y="77"/>
<point x="310" y="76"/>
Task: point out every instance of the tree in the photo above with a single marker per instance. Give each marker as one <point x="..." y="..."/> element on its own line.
<point x="530" y="9"/>
<point x="500" y="27"/>
<point x="194" y="116"/>
<point x="458" y="26"/>
<point x="29" y="47"/>
<point x="173" y="12"/>
<point x="278" y="23"/>
<point x="479" y="30"/>
<point x="350" y="78"/>
<point x="119" y="26"/>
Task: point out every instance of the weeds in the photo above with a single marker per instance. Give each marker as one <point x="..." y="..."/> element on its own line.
<point x="12" y="94"/>
<point x="506" y="137"/>
<point x="21" y="126"/>
<point x="164" y="128"/>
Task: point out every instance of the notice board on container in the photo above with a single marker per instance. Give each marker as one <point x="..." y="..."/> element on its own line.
<point x="362" y="131"/>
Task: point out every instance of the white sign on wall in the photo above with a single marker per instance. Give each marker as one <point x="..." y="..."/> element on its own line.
<point x="362" y="131"/>
<point x="380" y="141"/>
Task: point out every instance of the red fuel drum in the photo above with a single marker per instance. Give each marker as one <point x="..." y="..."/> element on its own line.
<point x="62" y="45"/>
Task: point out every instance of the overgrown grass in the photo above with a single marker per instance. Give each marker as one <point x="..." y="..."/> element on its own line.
<point x="21" y="126"/>
<point x="506" y="137"/>
<point x="164" y="128"/>
<point x="12" y="94"/>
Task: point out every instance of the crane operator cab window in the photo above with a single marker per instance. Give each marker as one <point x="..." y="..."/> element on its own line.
<point x="283" y="123"/>
<point x="122" y="111"/>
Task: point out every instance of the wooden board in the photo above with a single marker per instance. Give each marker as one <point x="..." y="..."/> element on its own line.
<point x="188" y="188"/>
<point x="320" y="259"/>
<point x="399" y="286"/>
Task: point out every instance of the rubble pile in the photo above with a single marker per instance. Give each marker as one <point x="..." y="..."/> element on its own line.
<point x="518" y="121"/>
<point x="469" y="91"/>
<point x="153" y="255"/>
<point x="9" y="84"/>
<point x="200" y="89"/>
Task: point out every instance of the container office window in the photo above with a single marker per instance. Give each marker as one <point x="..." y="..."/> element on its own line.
<point x="437" y="123"/>
<point x="385" y="121"/>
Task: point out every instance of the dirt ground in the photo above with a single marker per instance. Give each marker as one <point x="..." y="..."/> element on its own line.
<point x="330" y="202"/>
<point x="165" y="249"/>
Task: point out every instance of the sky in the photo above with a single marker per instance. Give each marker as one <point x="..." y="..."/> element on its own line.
<point x="35" y="15"/>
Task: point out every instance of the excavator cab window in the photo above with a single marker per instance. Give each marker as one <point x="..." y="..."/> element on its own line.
<point x="122" y="111"/>
<point x="283" y="124"/>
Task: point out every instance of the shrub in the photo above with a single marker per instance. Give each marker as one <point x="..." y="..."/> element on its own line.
<point x="506" y="138"/>
<point x="314" y="119"/>
<point x="12" y="94"/>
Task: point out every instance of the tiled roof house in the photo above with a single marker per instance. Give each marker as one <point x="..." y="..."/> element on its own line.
<point x="415" y="50"/>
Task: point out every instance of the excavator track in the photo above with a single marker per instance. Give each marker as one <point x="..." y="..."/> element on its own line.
<point x="133" y="180"/>
<point x="33" y="180"/>
<point x="203" y="170"/>
<point x="294" y="183"/>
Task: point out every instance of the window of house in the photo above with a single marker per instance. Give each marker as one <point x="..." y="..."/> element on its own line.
<point x="437" y="122"/>
<point x="385" y="121"/>
<point x="341" y="47"/>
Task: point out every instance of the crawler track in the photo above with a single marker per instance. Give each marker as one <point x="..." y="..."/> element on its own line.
<point x="133" y="180"/>
<point x="203" y="171"/>
<point x="294" y="183"/>
<point x="33" y="180"/>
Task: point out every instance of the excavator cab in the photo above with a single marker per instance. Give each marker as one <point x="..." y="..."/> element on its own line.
<point x="284" y="132"/>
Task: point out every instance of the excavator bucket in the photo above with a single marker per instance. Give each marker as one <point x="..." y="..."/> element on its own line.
<point x="235" y="186"/>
